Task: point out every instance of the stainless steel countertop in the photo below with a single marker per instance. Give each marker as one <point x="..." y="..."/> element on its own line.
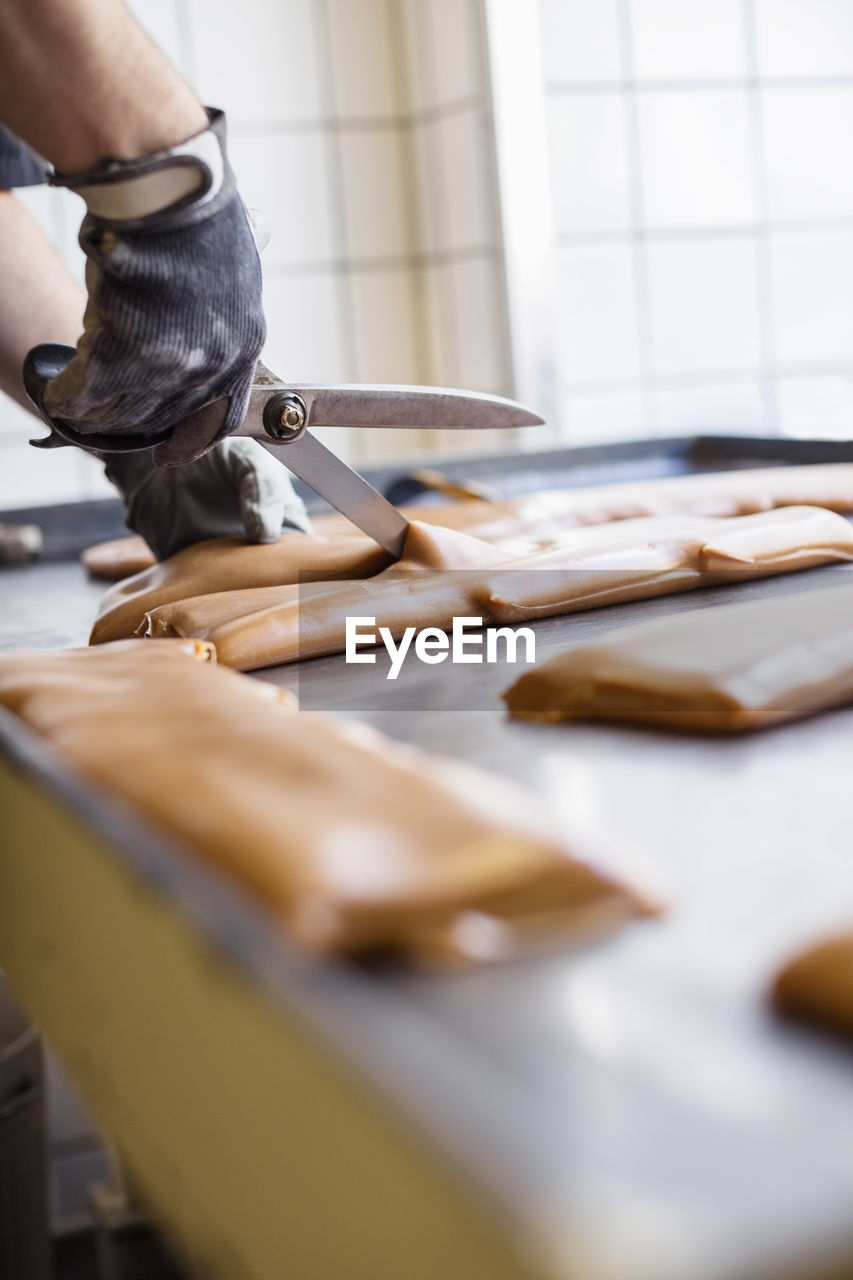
<point x="674" y="1128"/>
<point x="634" y="1106"/>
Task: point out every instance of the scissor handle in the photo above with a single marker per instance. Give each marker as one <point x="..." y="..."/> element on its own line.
<point x="41" y="364"/>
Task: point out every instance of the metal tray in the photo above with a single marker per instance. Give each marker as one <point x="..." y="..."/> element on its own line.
<point x="624" y="1113"/>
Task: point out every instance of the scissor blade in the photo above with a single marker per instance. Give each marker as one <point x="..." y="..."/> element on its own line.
<point x="366" y="405"/>
<point x="425" y="407"/>
<point x="344" y="489"/>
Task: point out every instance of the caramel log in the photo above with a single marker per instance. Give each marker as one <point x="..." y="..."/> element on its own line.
<point x="726" y="669"/>
<point x="817" y="985"/>
<point x="225" y="564"/>
<point x="581" y="570"/>
<point x="534" y="517"/>
<point x="354" y="841"/>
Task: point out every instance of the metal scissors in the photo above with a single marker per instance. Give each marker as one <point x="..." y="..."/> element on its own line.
<point x="280" y="414"/>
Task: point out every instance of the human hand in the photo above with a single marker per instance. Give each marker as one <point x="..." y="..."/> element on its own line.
<point x="236" y="489"/>
<point x="174" y="322"/>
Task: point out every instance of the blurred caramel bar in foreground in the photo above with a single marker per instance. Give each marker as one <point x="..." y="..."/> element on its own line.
<point x="355" y="842"/>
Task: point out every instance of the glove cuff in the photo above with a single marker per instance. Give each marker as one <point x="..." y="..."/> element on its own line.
<point x="132" y="192"/>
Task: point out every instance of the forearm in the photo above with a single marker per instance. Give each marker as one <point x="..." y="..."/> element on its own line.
<point x="174" y="322"/>
<point x="40" y="300"/>
<point x="80" y="81"/>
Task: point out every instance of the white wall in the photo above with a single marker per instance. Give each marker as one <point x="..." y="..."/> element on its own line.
<point x="703" y="202"/>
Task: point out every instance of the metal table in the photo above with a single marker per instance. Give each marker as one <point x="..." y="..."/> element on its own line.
<point x="630" y="1112"/>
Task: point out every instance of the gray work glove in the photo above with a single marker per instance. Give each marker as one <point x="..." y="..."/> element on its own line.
<point x="174" y="322"/>
<point x="235" y="489"/>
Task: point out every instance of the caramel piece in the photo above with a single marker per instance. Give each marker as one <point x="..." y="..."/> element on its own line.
<point x="725" y="669"/>
<point x="817" y="985"/>
<point x="724" y="493"/>
<point x="118" y="558"/>
<point x="356" y="842"/>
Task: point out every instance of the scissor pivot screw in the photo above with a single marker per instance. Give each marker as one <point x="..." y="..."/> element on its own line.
<point x="285" y="417"/>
